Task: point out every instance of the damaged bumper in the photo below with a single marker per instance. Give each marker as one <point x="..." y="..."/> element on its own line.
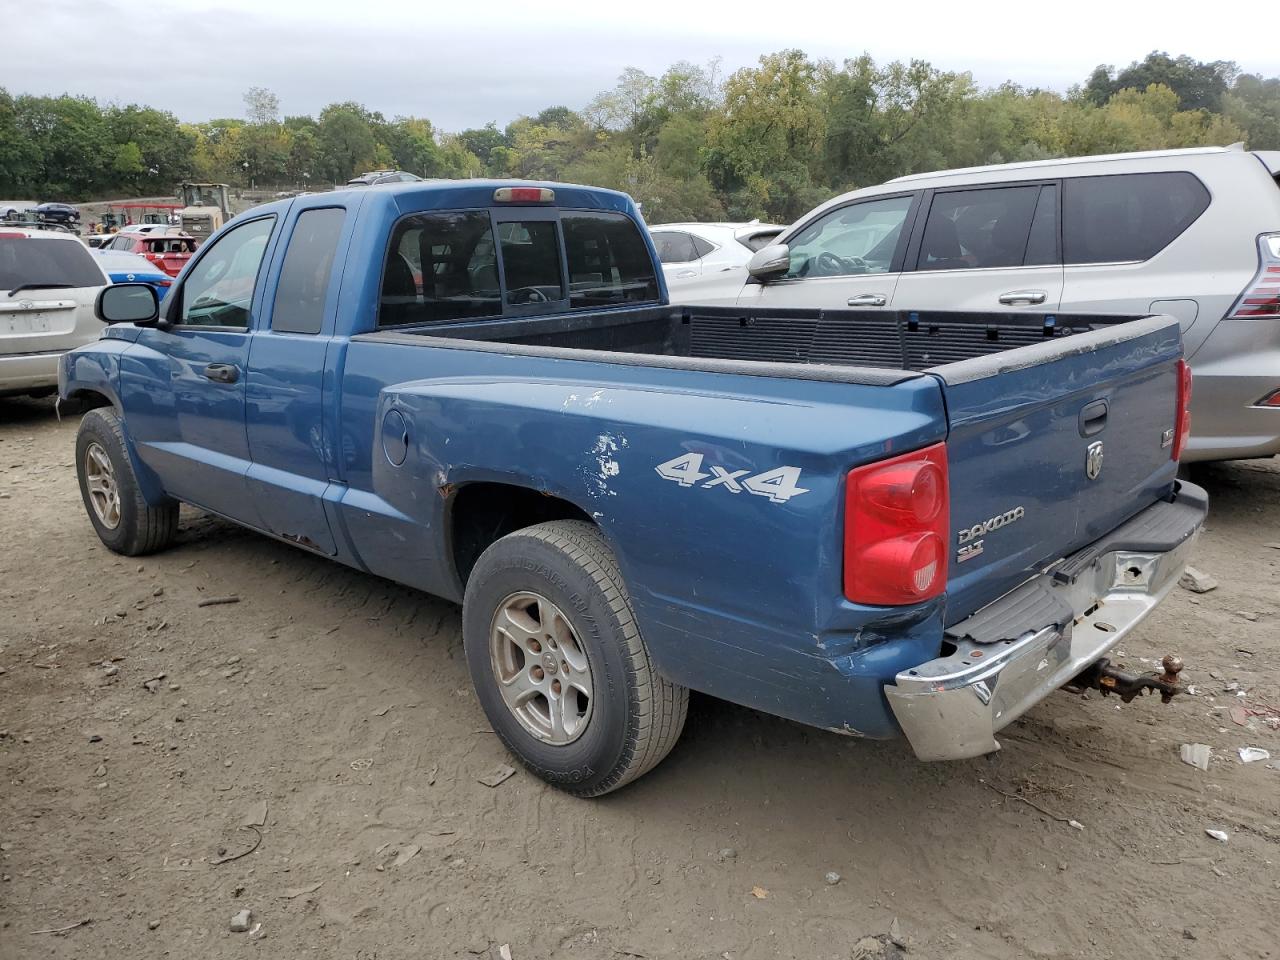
<point x="1014" y="652"/>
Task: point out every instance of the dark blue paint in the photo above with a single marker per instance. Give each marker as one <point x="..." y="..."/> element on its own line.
<point x="357" y="448"/>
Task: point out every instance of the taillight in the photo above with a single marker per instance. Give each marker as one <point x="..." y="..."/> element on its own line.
<point x="896" y="525"/>
<point x="1262" y="297"/>
<point x="1182" y="421"/>
<point x="1270" y="400"/>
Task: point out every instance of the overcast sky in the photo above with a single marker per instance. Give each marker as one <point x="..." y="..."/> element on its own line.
<point x="462" y="64"/>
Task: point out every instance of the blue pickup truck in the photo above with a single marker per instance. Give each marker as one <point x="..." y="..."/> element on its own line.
<point x="878" y="523"/>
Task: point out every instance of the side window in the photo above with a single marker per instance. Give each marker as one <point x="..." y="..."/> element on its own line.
<point x="219" y="290"/>
<point x="702" y="247"/>
<point x="608" y="261"/>
<point x="1131" y="216"/>
<point x="978" y="228"/>
<point x="1042" y="244"/>
<point x="859" y="238"/>
<point x="530" y="261"/>
<point x="441" y="266"/>
<point x="674" y="247"/>
<point x="304" y="276"/>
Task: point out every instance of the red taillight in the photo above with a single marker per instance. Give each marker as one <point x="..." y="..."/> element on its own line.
<point x="1182" y="422"/>
<point x="1262" y="297"/>
<point x="524" y="195"/>
<point x="1271" y="400"/>
<point x="10" y="233"/>
<point x="896" y="525"/>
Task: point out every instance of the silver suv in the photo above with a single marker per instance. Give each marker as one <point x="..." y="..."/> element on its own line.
<point x="1192" y="233"/>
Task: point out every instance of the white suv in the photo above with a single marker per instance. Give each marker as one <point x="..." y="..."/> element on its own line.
<point x="1191" y="233"/>
<point x="48" y="284"/>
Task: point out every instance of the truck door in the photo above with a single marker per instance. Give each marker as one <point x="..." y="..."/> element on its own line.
<point x="985" y="249"/>
<point x="286" y="414"/>
<point x="184" y="384"/>
<point x="847" y="257"/>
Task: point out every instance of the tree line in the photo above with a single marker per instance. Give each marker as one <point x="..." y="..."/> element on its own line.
<point x="767" y="141"/>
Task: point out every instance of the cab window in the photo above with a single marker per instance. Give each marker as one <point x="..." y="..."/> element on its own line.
<point x="440" y="266"/>
<point x="218" y="292"/>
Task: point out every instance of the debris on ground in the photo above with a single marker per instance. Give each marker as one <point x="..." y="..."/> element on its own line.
<point x="726" y="853"/>
<point x="58" y="931"/>
<point x="895" y="934"/>
<point x="1196" y="754"/>
<point x="257" y="815"/>
<point x="293" y="893"/>
<point x="1250" y="754"/>
<point x="241" y="921"/>
<point x="1197" y="581"/>
<point x="832" y="878"/>
<point x="406" y="854"/>
<point x="760" y="893"/>
<point x="497" y="775"/>
<point x="1220" y="835"/>
<point x="219" y="601"/>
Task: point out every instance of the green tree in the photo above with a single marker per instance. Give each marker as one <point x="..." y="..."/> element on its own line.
<point x="1198" y="85"/>
<point x="346" y="140"/>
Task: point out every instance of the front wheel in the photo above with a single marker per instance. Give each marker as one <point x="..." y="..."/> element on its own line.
<point x="558" y="662"/>
<point x="122" y="517"/>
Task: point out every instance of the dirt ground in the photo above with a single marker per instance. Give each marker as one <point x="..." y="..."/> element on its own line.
<point x="333" y="709"/>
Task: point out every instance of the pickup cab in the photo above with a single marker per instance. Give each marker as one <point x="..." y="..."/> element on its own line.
<point x="879" y="523"/>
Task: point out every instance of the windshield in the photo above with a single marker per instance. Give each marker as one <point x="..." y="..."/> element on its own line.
<point x="32" y="260"/>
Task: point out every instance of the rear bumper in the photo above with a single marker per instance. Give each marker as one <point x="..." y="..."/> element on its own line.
<point x="1016" y="651"/>
<point x="28" y="371"/>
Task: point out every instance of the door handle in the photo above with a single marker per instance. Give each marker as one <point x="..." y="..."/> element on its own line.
<point x="686" y="274"/>
<point x="868" y="300"/>
<point x="222" y="372"/>
<point x="1023" y="296"/>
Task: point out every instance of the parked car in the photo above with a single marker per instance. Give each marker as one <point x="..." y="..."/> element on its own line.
<point x="63" y="213"/>
<point x="1191" y="233"/>
<point x="148" y="228"/>
<point x="169" y="251"/>
<point x="48" y="283"/>
<point x="96" y="241"/>
<point x="383" y="176"/>
<point x="706" y="262"/>
<point x="919" y="522"/>
<point x="14" y="209"/>
<point x="122" y="267"/>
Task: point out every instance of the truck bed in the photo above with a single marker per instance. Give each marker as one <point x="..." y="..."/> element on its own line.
<point x="859" y="346"/>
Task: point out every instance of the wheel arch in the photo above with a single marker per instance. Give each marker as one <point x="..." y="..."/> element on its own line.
<point x="480" y="513"/>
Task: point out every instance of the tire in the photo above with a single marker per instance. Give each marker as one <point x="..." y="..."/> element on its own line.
<point x="633" y="716"/>
<point x="139" y="527"/>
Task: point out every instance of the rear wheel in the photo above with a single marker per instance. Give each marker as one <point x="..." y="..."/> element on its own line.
<point x="558" y="662"/>
<point x="122" y="517"/>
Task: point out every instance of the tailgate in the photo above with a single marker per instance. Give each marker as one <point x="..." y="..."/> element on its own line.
<point x="170" y="263"/>
<point x="38" y="323"/>
<point x="1052" y="446"/>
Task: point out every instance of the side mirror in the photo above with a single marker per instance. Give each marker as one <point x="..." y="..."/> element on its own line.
<point x="771" y="261"/>
<point x="127" y="303"/>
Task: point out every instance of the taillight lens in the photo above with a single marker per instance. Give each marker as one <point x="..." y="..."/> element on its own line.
<point x="1262" y="297"/>
<point x="1270" y="400"/>
<point x="1182" y="422"/>
<point x="896" y="523"/>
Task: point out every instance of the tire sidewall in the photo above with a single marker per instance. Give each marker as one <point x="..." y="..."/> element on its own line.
<point x="519" y="563"/>
<point x="96" y="428"/>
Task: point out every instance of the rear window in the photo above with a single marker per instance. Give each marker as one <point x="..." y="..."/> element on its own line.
<point x="609" y="262"/>
<point x="168" y="244"/>
<point x="441" y="266"/>
<point x="304" y="276"/>
<point x="1126" y="217"/>
<point x="61" y="262"/>
<point x="530" y="261"/>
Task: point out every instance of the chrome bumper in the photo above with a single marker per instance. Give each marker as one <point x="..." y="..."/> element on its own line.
<point x="952" y="707"/>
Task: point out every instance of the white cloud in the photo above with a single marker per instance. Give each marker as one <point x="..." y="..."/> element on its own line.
<point x="465" y="64"/>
